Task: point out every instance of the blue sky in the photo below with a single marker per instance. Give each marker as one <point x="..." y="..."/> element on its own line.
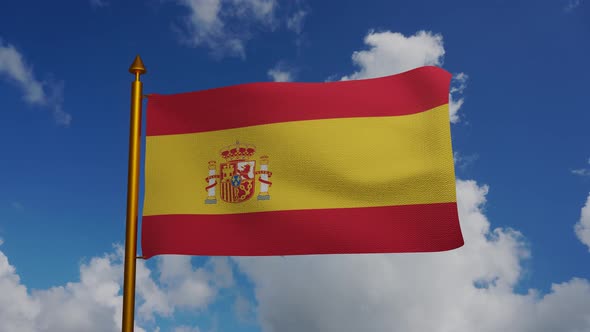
<point x="520" y="135"/>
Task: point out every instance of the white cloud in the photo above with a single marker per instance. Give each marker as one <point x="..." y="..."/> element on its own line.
<point x="207" y="23"/>
<point x="245" y="310"/>
<point x="15" y="69"/>
<point x="582" y="228"/>
<point x="18" y="309"/>
<point x="282" y="72"/>
<point x="186" y="329"/>
<point x="456" y="100"/>
<point x="94" y="303"/>
<point x="185" y="286"/>
<point x="263" y="10"/>
<point x="463" y="161"/>
<point x="154" y="299"/>
<point x="295" y="22"/>
<point x="223" y="275"/>
<point x="279" y="74"/>
<point x="468" y="289"/>
<point x="572" y="4"/>
<point x="582" y="171"/>
<point x="392" y="53"/>
<point x="98" y="3"/>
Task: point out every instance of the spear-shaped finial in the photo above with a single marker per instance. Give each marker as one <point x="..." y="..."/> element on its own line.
<point x="137" y="66"/>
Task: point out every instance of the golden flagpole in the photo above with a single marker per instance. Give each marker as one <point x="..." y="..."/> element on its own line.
<point x="137" y="68"/>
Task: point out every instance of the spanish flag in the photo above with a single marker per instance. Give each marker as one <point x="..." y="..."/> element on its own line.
<point x="260" y="169"/>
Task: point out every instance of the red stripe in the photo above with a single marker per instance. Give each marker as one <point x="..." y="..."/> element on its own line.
<point x="226" y="191"/>
<point x="243" y="105"/>
<point x="410" y="228"/>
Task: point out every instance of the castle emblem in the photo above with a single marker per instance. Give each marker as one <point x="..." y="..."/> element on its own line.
<point x="237" y="175"/>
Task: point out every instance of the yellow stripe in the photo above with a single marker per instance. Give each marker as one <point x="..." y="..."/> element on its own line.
<point x="334" y="163"/>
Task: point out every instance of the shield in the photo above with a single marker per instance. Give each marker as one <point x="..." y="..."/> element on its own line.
<point x="237" y="180"/>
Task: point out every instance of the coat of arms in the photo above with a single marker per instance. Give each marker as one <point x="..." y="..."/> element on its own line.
<point x="237" y="175"/>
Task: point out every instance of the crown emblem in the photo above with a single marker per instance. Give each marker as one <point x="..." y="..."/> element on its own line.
<point x="235" y="181"/>
<point x="238" y="151"/>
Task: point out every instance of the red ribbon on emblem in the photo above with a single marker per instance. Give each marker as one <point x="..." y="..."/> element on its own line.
<point x="214" y="183"/>
<point x="265" y="181"/>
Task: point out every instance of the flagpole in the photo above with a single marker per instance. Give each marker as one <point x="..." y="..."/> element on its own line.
<point x="137" y="68"/>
